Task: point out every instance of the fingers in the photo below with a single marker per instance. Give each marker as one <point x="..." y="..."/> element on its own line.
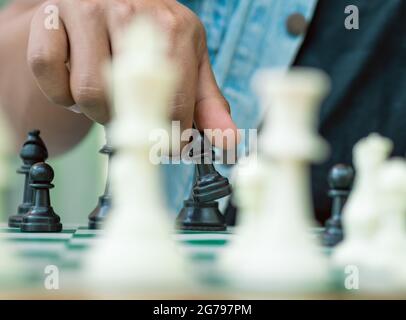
<point x="47" y="56"/>
<point x="182" y="108"/>
<point x="184" y="53"/>
<point x="212" y="110"/>
<point x="89" y="33"/>
<point x="89" y="51"/>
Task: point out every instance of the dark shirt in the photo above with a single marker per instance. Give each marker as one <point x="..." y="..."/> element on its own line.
<point x="367" y="69"/>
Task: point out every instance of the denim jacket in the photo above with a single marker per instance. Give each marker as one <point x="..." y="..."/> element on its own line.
<point x="243" y="36"/>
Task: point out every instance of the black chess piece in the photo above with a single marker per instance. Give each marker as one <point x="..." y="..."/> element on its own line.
<point x="340" y="180"/>
<point x="200" y="216"/>
<point x="209" y="185"/>
<point x="99" y="214"/>
<point x="41" y="217"/>
<point x="231" y="213"/>
<point x="201" y="212"/>
<point x="33" y="151"/>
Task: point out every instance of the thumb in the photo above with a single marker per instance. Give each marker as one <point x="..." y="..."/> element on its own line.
<point x="212" y="110"/>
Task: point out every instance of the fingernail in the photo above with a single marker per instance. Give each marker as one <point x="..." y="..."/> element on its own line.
<point x="75" y="108"/>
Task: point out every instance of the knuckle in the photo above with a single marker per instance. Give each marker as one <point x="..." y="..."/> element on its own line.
<point x="91" y="7"/>
<point x="184" y="24"/>
<point x="172" y="22"/>
<point x="41" y="62"/>
<point x="88" y="94"/>
<point x="122" y="9"/>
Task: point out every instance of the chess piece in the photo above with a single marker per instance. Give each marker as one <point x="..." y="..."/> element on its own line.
<point x="200" y="216"/>
<point x="200" y="212"/>
<point x="249" y="180"/>
<point x="137" y="251"/>
<point x="383" y="267"/>
<point x="99" y="214"/>
<point x="285" y="256"/>
<point x="11" y="267"/>
<point x="41" y="217"/>
<point x="231" y="213"/>
<point x="33" y="151"/>
<point x="361" y="212"/>
<point x="340" y="181"/>
<point x="12" y="271"/>
<point x="209" y="184"/>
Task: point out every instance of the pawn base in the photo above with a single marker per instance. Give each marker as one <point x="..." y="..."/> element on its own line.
<point x="99" y="214"/>
<point x="95" y="225"/>
<point x="333" y="233"/>
<point x="201" y="216"/>
<point x="41" y="227"/>
<point x="15" y="220"/>
<point x="41" y="220"/>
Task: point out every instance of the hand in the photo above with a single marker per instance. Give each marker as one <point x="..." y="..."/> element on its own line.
<point x="67" y="63"/>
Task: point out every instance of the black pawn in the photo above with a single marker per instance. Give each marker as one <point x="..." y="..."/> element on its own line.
<point x="33" y="151"/>
<point x="99" y="214"/>
<point x="340" y="180"/>
<point x="41" y="217"/>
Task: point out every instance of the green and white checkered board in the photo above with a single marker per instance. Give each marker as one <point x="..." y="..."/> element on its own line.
<point x="67" y="249"/>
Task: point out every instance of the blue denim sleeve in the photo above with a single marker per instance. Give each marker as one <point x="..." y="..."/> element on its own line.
<point x="242" y="36"/>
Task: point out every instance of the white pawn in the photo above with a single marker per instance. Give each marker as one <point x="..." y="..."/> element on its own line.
<point x="361" y="212"/>
<point x="248" y="180"/>
<point x="282" y="254"/>
<point x="138" y="251"/>
<point x="386" y="255"/>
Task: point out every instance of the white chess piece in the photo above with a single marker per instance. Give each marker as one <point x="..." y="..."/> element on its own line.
<point x="11" y="270"/>
<point x="361" y="212"/>
<point x="385" y="257"/>
<point x="248" y="180"/>
<point x="138" y="251"/>
<point x="283" y="254"/>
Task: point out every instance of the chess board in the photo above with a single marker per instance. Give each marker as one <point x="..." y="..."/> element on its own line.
<point x="66" y="251"/>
